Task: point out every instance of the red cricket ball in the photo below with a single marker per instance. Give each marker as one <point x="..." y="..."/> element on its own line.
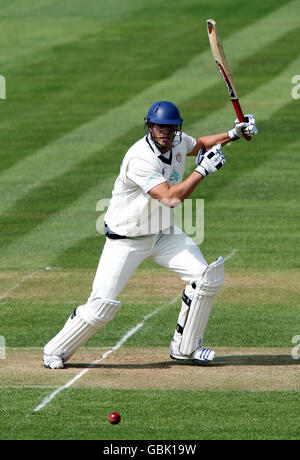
<point x="114" y="418"/>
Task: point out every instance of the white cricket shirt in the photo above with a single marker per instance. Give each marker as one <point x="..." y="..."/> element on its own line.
<point x="132" y="212"/>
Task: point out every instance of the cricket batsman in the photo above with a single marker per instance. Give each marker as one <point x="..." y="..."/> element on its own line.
<point x="150" y="179"/>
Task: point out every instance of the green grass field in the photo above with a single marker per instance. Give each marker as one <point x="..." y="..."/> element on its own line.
<point x="80" y="77"/>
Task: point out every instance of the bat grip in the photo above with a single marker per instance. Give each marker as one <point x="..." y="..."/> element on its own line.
<point x="240" y="116"/>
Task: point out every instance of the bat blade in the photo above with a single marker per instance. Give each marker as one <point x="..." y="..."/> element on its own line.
<point x="221" y="61"/>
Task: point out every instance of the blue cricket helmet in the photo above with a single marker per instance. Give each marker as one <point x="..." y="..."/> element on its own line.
<point x="164" y="113"/>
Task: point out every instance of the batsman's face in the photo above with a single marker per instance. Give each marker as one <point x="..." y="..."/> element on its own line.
<point x="163" y="134"/>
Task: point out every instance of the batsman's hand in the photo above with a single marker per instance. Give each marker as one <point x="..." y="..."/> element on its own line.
<point x="210" y="161"/>
<point x="247" y="127"/>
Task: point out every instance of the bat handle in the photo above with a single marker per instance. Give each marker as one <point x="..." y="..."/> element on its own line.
<point x="240" y="115"/>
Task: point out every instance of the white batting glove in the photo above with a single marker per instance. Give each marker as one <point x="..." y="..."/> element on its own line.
<point x="210" y="161"/>
<point x="247" y="127"/>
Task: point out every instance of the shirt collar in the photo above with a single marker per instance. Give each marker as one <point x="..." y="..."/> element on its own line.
<point x="155" y="149"/>
<point x="165" y="157"/>
<point x="152" y="145"/>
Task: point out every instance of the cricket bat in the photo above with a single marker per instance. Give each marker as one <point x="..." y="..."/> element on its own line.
<point x="221" y="61"/>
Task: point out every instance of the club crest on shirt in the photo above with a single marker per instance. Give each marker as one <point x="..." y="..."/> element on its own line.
<point x="178" y="157"/>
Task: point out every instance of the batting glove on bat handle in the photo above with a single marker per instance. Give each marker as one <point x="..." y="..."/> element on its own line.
<point x="210" y="161"/>
<point x="245" y="128"/>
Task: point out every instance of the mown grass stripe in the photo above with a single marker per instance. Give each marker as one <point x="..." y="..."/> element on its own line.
<point x="59" y="92"/>
<point x="42" y="31"/>
<point x="59" y="156"/>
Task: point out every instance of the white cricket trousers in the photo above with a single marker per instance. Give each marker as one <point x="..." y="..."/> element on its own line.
<point x="120" y="258"/>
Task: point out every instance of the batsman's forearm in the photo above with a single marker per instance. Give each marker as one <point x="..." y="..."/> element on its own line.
<point x="214" y="139"/>
<point x="184" y="189"/>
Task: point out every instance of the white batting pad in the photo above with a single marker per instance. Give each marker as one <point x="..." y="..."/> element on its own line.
<point x="81" y="325"/>
<point x="206" y="290"/>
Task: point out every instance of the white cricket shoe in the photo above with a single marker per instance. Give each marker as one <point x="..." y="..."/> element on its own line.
<point x="200" y="354"/>
<point x="53" y="362"/>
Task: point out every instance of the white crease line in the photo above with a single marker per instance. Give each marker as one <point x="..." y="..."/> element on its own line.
<point x="15" y="286"/>
<point x="231" y="254"/>
<point x="94" y="363"/>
